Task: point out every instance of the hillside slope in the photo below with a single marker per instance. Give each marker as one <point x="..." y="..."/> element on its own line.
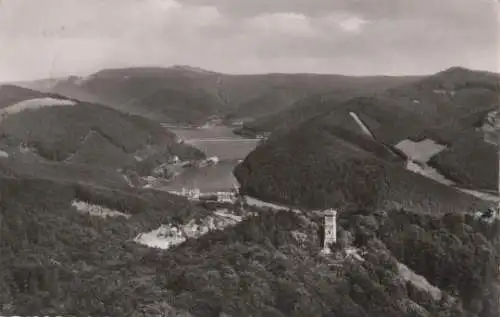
<point x="179" y="106"/>
<point x="95" y="149"/>
<point x="187" y="95"/>
<point x="449" y="108"/>
<point x="470" y="161"/>
<point x="57" y="260"/>
<point x="454" y="98"/>
<point x="276" y="258"/>
<point x="80" y="139"/>
<point x="301" y="111"/>
<point x="328" y="166"/>
<point x="10" y="94"/>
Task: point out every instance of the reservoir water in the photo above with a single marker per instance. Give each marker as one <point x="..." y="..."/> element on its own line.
<point x="217" y="141"/>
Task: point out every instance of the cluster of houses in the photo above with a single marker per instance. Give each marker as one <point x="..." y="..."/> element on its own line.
<point x="167" y="236"/>
<point x="202" y="163"/>
<point x="489" y="215"/>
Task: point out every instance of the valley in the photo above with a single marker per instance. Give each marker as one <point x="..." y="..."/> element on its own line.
<point x="97" y="198"/>
<point x="230" y="158"/>
<point x="220" y="142"/>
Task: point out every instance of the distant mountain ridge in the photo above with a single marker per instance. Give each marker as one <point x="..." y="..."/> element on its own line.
<point x="419" y="94"/>
<point x="156" y="92"/>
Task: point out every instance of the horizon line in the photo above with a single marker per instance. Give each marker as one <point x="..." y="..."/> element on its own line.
<point x="201" y="69"/>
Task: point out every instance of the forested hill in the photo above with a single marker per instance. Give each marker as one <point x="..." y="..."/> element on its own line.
<point x="11" y="94"/>
<point x="57" y="260"/>
<point x="449" y="108"/>
<point x="332" y="167"/>
<point x="49" y="136"/>
<point x="408" y="109"/>
<point x="183" y="94"/>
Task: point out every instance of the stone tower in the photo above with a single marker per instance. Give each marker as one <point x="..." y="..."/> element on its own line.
<point x="330" y="229"/>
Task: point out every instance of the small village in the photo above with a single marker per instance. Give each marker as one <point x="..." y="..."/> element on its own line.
<point x="226" y="218"/>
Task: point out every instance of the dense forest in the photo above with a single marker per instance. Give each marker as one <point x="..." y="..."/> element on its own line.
<point x="448" y="107"/>
<point x="57" y="133"/>
<point x="10" y="94"/>
<point x="469" y="161"/>
<point x="57" y="261"/>
<point x="438" y="106"/>
<point x="332" y="167"/>
<point x="84" y="142"/>
<point x="183" y="94"/>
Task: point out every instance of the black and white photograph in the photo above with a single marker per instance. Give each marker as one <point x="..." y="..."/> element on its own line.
<point x="250" y="158"/>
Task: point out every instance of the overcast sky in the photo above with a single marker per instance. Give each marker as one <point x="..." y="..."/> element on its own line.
<point x="47" y="38"/>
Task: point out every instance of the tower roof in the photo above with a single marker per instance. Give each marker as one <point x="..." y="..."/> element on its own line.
<point x="328" y="212"/>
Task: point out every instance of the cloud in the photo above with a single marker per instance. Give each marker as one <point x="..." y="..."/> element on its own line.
<point x="344" y="21"/>
<point x="282" y="24"/>
<point x="352" y="24"/>
<point x="101" y="18"/>
<point x="62" y="37"/>
<point x="68" y="36"/>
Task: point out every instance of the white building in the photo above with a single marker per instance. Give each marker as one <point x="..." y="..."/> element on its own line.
<point x="212" y="160"/>
<point x="175" y="159"/>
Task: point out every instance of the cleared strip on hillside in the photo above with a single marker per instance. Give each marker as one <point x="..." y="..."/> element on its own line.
<point x="36" y="104"/>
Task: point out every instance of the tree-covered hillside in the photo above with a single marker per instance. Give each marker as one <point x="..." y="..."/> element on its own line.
<point x="58" y="132"/>
<point x="183" y="94"/>
<point x="448" y="107"/>
<point x="470" y="161"/>
<point x="438" y="106"/>
<point x="91" y="140"/>
<point x="57" y="261"/>
<point x="10" y="94"/>
<point x="332" y="167"/>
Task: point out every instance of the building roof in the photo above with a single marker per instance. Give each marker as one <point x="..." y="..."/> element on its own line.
<point x="328" y="212"/>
